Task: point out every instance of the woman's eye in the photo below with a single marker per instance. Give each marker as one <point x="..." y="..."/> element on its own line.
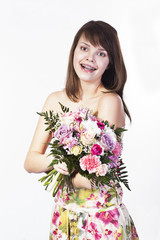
<point x="84" y="49"/>
<point x="101" y="54"/>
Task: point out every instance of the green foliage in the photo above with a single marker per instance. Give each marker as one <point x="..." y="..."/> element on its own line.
<point x="64" y="109"/>
<point x="52" y="120"/>
<point x="118" y="131"/>
<point x="121" y="175"/>
<point x="112" y="127"/>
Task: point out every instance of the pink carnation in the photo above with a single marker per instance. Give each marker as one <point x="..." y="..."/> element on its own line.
<point x="118" y="149"/>
<point x="90" y="163"/>
<point x="96" y="149"/>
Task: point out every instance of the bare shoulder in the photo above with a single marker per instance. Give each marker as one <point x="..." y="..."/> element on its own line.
<point x="110" y="107"/>
<point x="110" y="100"/>
<point x="52" y="100"/>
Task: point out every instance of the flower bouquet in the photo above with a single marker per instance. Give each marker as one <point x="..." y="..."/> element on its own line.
<point x="87" y="145"/>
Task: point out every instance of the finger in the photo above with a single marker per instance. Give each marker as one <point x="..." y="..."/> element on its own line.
<point x="60" y="166"/>
<point x="63" y="166"/>
<point x="64" y="172"/>
<point x="61" y="170"/>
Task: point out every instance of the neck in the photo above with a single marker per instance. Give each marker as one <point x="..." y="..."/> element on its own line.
<point x="90" y="90"/>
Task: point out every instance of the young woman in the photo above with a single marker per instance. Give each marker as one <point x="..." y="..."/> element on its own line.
<point x="95" y="79"/>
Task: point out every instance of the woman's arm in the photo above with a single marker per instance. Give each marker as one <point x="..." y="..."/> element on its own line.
<point x="110" y="107"/>
<point x="36" y="160"/>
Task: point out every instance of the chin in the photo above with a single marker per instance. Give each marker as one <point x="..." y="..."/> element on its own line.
<point x="89" y="80"/>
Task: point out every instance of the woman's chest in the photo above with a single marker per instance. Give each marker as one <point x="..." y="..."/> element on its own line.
<point x="90" y="104"/>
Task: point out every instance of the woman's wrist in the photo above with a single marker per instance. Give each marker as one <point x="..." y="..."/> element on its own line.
<point x="78" y="181"/>
<point x="72" y="177"/>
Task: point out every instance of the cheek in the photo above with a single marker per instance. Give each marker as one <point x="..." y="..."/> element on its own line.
<point x="104" y="65"/>
<point x="76" y="57"/>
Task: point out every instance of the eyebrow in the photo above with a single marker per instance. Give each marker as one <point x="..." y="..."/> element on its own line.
<point x="100" y="49"/>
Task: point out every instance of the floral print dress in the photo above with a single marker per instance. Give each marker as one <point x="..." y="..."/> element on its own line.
<point x="84" y="214"/>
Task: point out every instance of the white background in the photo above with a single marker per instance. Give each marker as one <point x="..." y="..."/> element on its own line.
<point x="35" y="40"/>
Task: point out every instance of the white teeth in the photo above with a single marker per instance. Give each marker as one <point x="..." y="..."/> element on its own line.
<point x="88" y="67"/>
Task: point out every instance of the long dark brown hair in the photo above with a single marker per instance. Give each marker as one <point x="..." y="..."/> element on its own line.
<point x="115" y="76"/>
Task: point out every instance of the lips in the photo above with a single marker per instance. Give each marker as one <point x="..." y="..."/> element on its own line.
<point x="88" y="67"/>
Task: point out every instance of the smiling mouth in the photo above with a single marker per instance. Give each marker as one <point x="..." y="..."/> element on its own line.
<point x="88" y="68"/>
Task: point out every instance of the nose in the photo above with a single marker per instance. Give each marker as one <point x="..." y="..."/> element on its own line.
<point x="90" y="57"/>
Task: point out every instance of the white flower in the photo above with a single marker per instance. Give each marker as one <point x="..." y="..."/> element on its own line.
<point x="87" y="138"/>
<point x="102" y="170"/>
<point x="69" y="120"/>
<point x="91" y="127"/>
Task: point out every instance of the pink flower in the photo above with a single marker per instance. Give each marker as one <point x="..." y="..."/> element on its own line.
<point x="100" y="125"/>
<point x="84" y="224"/>
<point x="117" y="235"/>
<point x="90" y="163"/>
<point x="78" y="119"/>
<point x="96" y="149"/>
<point x="82" y="112"/>
<point x="118" y="149"/>
<point x="93" y="118"/>
<point x="107" y="232"/>
<point x="102" y="170"/>
<point x="107" y="217"/>
<point x="66" y="198"/>
<point x="67" y="114"/>
<point x="107" y="197"/>
<point x="92" y="197"/>
<point x="98" y="204"/>
<point x="55" y="217"/>
<point x="92" y="228"/>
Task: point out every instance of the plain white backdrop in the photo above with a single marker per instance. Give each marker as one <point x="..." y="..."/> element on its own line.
<point x="35" y="40"/>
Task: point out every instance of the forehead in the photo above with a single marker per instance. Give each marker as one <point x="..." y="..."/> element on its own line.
<point x="93" y="42"/>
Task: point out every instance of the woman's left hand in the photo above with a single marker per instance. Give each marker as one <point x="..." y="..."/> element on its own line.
<point x="62" y="168"/>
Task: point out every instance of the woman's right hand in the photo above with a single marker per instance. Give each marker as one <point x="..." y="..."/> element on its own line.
<point x="62" y="168"/>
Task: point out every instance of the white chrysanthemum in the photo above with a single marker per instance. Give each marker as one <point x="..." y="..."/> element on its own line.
<point x="91" y="127"/>
<point x="111" y="133"/>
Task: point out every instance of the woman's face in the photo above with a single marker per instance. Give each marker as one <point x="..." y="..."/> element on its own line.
<point x="89" y="62"/>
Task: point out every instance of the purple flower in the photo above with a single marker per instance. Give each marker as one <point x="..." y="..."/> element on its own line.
<point x="107" y="142"/>
<point x="69" y="142"/>
<point x="62" y="132"/>
<point x="115" y="162"/>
